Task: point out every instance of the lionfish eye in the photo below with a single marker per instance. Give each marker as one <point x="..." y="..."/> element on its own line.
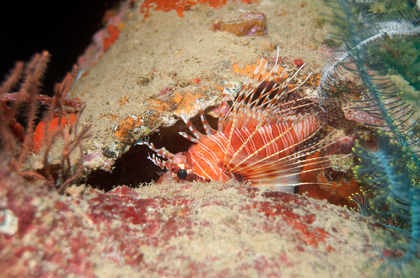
<point x="182" y="174"/>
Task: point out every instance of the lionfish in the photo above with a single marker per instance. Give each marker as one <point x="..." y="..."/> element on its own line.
<point x="262" y="139"/>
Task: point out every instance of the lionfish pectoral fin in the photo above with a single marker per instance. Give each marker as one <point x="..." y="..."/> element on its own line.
<point x="273" y="173"/>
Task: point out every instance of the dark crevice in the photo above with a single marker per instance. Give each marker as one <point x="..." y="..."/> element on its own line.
<point x="133" y="167"/>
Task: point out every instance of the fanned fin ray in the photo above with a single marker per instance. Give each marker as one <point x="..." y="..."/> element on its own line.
<point x="276" y="175"/>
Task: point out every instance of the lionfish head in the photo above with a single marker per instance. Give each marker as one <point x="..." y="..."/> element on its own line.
<point x="179" y="169"/>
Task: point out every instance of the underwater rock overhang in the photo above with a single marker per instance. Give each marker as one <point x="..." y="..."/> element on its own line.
<point x="147" y="77"/>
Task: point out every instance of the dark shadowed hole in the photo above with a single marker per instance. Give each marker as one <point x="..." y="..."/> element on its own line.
<point x="133" y="167"/>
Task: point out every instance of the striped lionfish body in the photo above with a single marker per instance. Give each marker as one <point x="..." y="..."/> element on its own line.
<point x="262" y="139"/>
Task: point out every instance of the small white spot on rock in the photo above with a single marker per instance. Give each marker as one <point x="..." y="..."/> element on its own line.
<point x="9" y="224"/>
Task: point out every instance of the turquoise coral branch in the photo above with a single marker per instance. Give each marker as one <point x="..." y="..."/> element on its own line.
<point x="390" y="173"/>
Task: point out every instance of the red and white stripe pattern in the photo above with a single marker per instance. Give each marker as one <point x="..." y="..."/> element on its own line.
<point x="260" y="139"/>
<point x="278" y="141"/>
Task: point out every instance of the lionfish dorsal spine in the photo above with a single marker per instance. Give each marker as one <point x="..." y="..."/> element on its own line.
<point x="207" y="128"/>
<point x="257" y="69"/>
<point x="230" y="135"/>
<point x="191" y="127"/>
<point x="188" y="137"/>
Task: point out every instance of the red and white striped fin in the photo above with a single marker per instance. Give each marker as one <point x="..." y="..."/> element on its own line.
<point x="245" y="95"/>
<point x="161" y="152"/>
<point x="168" y="164"/>
<point x="267" y="172"/>
<point x="232" y="128"/>
<point x="291" y="136"/>
<point x="266" y="100"/>
<point x="290" y="167"/>
<point x="158" y="162"/>
<point x="306" y="151"/>
<point x="191" y="127"/>
<point x="278" y="174"/>
<point x="234" y="161"/>
<point x="188" y="137"/>
<point x="207" y="128"/>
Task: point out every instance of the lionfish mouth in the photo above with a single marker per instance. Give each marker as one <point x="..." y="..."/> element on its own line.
<point x="267" y="137"/>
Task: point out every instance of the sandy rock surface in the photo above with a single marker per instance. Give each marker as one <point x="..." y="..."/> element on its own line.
<point x="191" y="230"/>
